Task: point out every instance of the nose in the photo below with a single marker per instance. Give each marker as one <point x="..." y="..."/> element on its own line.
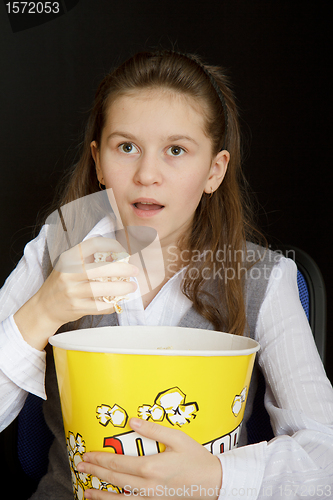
<point x="148" y="170"/>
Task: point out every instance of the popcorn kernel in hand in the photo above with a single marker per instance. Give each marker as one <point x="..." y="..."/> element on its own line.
<point x="116" y="257"/>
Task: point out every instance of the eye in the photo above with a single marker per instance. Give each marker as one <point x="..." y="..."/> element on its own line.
<point x="128" y="147"/>
<point x="176" y="151"/>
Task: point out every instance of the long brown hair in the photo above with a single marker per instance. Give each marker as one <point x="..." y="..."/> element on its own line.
<point x="223" y="221"/>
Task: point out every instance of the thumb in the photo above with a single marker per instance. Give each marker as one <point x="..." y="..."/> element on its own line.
<point x="172" y="438"/>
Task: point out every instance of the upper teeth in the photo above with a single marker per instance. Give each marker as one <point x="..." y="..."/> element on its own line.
<point x="146" y="203"/>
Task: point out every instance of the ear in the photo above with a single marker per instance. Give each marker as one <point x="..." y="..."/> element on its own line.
<point x="95" y="154"/>
<point x="217" y="171"/>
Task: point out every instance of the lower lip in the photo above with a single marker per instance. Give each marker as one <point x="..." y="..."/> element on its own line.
<point x="144" y="214"/>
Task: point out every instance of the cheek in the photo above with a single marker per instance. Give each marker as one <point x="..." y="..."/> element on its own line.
<point x="114" y="177"/>
<point x="194" y="183"/>
<point x="113" y="174"/>
<point x="189" y="195"/>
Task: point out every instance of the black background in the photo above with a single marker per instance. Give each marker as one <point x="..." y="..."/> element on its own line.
<point x="277" y="52"/>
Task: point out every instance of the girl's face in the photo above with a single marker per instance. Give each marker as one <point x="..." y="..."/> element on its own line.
<point x="156" y="157"/>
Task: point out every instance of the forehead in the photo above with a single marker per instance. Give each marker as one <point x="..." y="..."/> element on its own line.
<point x="161" y="106"/>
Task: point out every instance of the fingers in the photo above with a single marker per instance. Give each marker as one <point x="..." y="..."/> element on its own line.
<point x="78" y="286"/>
<point x="87" y="298"/>
<point x="100" y="495"/>
<point x="94" y="289"/>
<point x="114" y="469"/>
<point x="107" y="460"/>
<point x="80" y="260"/>
<point x="84" y="251"/>
<point x="96" y="271"/>
<point x="172" y="438"/>
<point x="99" y="244"/>
<point x="91" y="307"/>
<point x="191" y="466"/>
<point x="110" y="269"/>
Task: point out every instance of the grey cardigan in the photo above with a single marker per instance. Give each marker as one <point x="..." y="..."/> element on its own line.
<point x="56" y="484"/>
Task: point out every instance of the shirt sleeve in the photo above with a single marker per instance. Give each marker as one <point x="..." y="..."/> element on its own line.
<point x="298" y="462"/>
<point x="22" y="368"/>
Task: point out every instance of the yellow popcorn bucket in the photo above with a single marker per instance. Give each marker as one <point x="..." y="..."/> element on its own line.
<point x="184" y="378"/>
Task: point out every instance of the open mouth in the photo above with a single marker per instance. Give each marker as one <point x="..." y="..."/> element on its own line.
<point x="147" y="206"/>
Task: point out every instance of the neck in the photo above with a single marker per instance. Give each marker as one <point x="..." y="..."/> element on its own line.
<point x="172" y="260"/>
<point x="158" y="259"/>
<point x="157" y="272"/>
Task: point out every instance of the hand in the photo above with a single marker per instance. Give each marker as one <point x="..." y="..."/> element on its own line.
<point x="68" y="293"/>
<point x="185" y="468"/>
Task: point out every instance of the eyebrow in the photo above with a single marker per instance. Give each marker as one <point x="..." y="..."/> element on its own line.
<point x="171" y="138"/>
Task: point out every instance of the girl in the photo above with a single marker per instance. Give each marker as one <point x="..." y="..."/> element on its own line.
<point x="163" y="135"/>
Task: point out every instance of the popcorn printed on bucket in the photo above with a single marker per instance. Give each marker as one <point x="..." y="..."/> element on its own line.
<point x="98" y="484"/>
<point x="116" y="257"/>
<point x="116" y="415"/>
<point x="170" y="404"/>
<point x="238" y="401"/>
<point x="76" y="448"/>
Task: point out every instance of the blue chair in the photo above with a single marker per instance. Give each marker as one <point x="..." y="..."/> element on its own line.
<point x="33" y="441"/>
<point x="312" y="294"/>
<point x="24" y="447"/>
<point x="309" y="278"/>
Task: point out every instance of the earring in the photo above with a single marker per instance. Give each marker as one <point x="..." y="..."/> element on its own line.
<point x="101" y="186"/>
<point x="211" y="193"/>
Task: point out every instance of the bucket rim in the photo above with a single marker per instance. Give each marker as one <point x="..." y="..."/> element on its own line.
<point x="69" y="341"/>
